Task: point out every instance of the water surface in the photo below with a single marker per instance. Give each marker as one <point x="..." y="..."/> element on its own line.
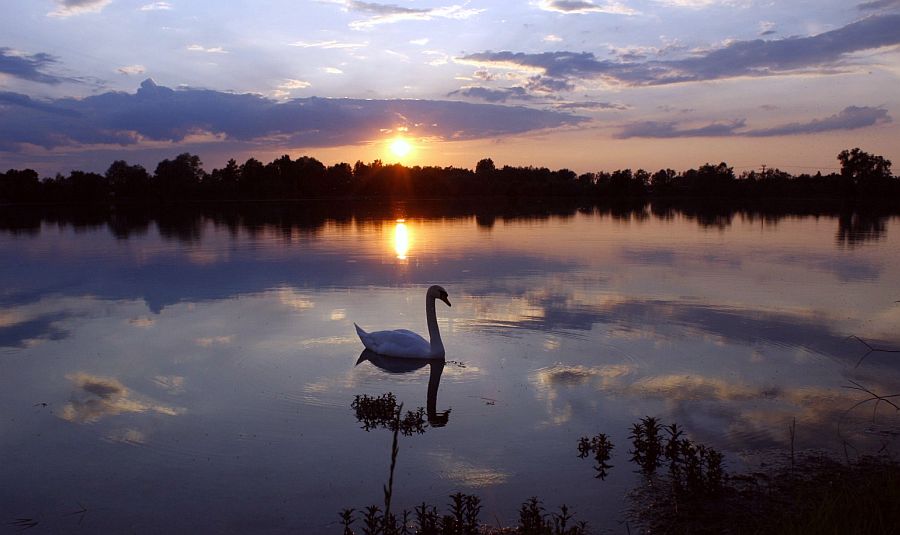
<point x="188" y="372"/>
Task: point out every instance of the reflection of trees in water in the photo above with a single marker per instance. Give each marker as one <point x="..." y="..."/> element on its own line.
<point x="855" y="228"/>
<point x="186" y="222"/>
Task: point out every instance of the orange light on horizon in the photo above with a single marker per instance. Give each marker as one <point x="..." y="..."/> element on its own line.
<point x="400" y="147"/>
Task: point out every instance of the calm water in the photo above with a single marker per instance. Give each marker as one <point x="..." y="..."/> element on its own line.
<point x="196" y="373"/>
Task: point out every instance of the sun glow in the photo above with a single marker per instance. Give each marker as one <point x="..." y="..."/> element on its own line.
<point x="401" y="239"/>
<point x="400" y="147"/>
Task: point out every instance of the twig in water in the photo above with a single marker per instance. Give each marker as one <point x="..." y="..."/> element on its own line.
<point x="395" y="450"/>
<point x="793" y="430"/>
<point x="81" y="512"/>
<point x="871" y="350"/>
<point x="24" y="523"/>
<point x="875" y="397"/>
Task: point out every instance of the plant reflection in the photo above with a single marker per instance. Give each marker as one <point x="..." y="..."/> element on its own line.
<point x="383" y="411"/>
<point x="405" y="365"/>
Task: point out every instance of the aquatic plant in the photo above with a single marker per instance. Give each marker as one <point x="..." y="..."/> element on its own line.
<point x="533" y="520"/>
<point x="383" y="412"/>
<point x="601" y="448"/>
<point x="647" y="444"/>
<point x="463" y="519"/>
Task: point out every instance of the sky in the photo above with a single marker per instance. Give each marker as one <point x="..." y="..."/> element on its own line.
<point x="587" y="85"/>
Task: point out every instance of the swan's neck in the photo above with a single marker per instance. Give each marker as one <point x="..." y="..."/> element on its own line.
<point x="434" y="381"/>
<point x="437" y="345"/>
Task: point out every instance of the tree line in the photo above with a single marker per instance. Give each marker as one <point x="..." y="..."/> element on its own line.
<point x="183" y="179"/>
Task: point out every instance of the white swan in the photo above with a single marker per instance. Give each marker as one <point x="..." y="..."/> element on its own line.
<point x="407" y="344"/>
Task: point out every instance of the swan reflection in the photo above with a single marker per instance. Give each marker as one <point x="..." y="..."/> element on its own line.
<point x="406" y="365"/>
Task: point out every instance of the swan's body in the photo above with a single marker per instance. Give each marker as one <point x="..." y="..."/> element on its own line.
<point x="407" y="344"/>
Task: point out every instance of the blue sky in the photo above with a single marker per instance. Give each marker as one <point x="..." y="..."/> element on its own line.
<point x="587" y="85"/>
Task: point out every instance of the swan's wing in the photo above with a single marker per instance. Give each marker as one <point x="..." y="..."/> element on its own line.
<point x="399" y="343"/>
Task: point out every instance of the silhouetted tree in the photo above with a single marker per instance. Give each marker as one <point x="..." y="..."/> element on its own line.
<point x="180" y="178"/>
<point x="19" y="186"/>
<point x="284" y="178"/>
<point x="864" y="172"/>
<point x="224" y="183"/>
<point x="252" y="179"/>
<point x="338" y="180"/>
<point x="88" y="187"/>
<point x="128" y="181"/>
<point x="485" y="167"/>
<point x="663" y="180"/>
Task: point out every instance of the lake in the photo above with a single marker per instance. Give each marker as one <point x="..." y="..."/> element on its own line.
<point x="194" y="370"/>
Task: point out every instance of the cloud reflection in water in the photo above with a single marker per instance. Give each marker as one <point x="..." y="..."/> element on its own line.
<point x="96" y="397"/>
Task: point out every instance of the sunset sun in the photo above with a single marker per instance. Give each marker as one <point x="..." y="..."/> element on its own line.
<point x="400" y="147"/>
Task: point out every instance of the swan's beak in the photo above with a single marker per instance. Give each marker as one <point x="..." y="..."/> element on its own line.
<point x="446" y="300"/>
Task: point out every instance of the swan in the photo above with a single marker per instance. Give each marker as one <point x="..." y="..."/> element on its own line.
<point x="407" y="344"/>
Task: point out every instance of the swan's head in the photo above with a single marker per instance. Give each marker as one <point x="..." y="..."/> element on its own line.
<point x="436" y="292"/>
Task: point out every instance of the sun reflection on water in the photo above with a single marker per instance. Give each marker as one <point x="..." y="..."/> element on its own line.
<point x="401" y="239"/>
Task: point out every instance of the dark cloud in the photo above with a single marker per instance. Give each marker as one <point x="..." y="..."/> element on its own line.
<point x="79" y="3"/>
<point x="660" y="129"/>
<point x="546" y="84"/>
<point x="23" y="101"/>
<point x="43" y="327"/>
<point x="584" y="6"/>
<point x="28" y="67"/>
<point x="877" y="5"/>
<point x="823" y="53"/>
<point x="591" y="105"/>
<point x="850" y="118"/>
<point x="159" y="113"/>
<point x="493" y="95"/>
<point x="387" y="13"/>
<point x="73" y="7"/>
<point x="570" y="6"/>
<point x="381" y="9"/>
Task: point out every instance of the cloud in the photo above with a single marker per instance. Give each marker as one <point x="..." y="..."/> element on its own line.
<point x="210" y="50"/>
<point x="131" y="69"/>
<point x="97" y="397"/>
<point x="23" y="101"/>
<point x="28" y="67"/>
<point x="493" y="95"/>
<point x="850" y="118"/>
<point x="291" y="83"/>
<point x="68" y="8"/>
<point x="22" y="332"/>
<point x="157" y="6"/>
<point x="877" y="5"/>
<point x="698" y="4"/>
<point x="390" y="13"/>
<point x="328" y="44"/>
<point x="659" y="129"/>
<point x="592" y="105"/>
<point x="766" y="28"/>
<point x="569" y="7"/>
<point x="823" y="53"/>
<point x="160" y="114"/>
